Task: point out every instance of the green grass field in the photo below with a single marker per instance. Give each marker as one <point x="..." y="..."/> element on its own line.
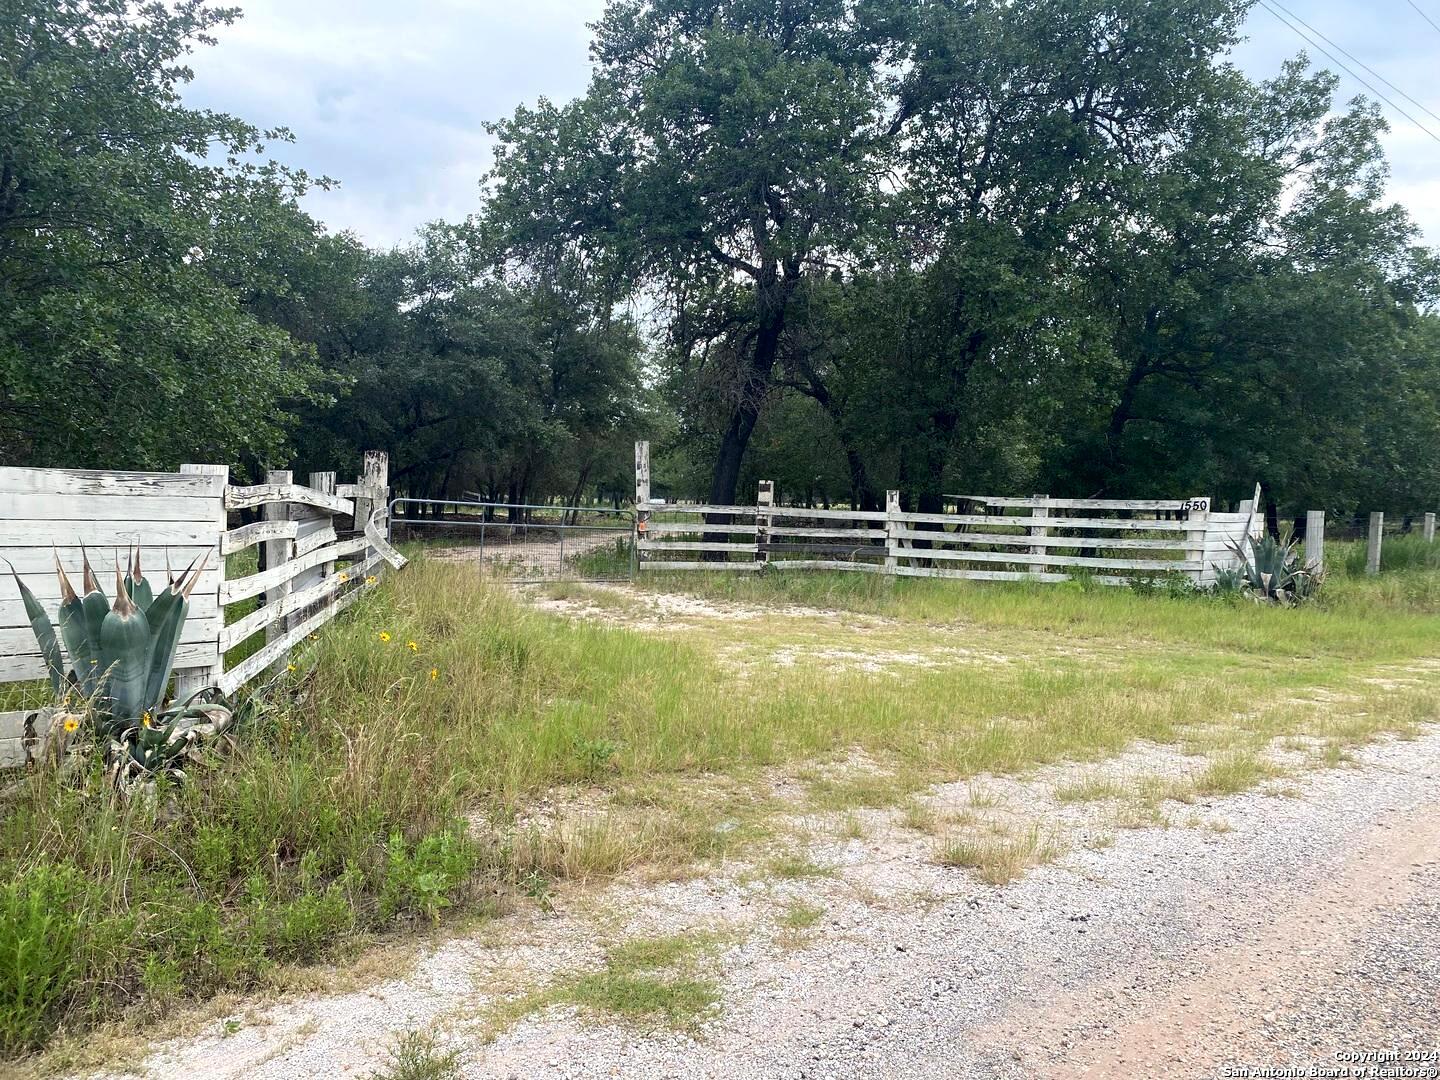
<point x="389" y="783"/>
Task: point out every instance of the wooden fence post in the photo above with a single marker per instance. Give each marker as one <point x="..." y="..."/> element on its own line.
<point x="1039" y="530"/>
<point x="373" y="487"/>
<point x="1372" y="547"/>
<point x="764" y="499"/>
<point x="642" y="473"/>
<point x="1428" y="529"/>
<point x="642" y="497"/>
<point x="893" y="524"/>
<point x="313" y="527"/>
<point x="324" y="481"/>
<point x="191" y="680"/>
<point x="1315" y="540"/>
<point x="277" y="553"/>
<point x="1198" y="518"/>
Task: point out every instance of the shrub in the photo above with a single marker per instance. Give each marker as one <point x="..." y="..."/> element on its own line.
<point x="42" y="909"/>
<point x="1272" y="570"/>
<point x="421" y="879"/>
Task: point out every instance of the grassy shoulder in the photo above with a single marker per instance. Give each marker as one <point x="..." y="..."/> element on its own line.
<point x="394" y="779"/>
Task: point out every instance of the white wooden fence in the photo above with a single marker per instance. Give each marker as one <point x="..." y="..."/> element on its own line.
<point x="1038" y="538"/>
<point x="322" y="543"/>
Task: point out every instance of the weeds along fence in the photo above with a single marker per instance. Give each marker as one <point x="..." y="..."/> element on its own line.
<point x="320" y="541"/>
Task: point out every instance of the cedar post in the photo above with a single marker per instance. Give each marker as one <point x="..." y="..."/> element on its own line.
<point x="372" y="489"/>
<point x="1039" y="530"/>
<point x="190" y="680"/>
<point x="277" y="553"/>
<point x="642" y="495"/>
<point x="1315" y="540"/>
<point x="1428" y="529"/>
<point x="764" y="499"/>
<point x="324" y="482"/>
<point x="1372" y="547"/>
<point x="893" y="525"/>
<point x="1197" y="516"/>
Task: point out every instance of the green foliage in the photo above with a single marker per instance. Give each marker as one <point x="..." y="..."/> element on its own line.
<point x="1273" y="569"/>
<point x="416" y="1056"/>
<point x="594" y="756"/>
<point x="257" y="868"/>
<point x="1172" y="584"/>
<point x="422" y="878"/>
<point x="1397" y="553"/>
<point x="644" y="979"/>
<point x="723" y="155"/>
<point x="134" y="234"/>
<point x="314" y="834"/>
<point x="40" y="921"/>
<point x="1054" y="293"/>
<point x="521" y="384"/>
<point x="122" y="656"/>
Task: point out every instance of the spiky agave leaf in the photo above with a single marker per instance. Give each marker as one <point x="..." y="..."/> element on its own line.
<point x="167" y="622"/>
<point x="124" y="652"/>
<point x="44" y="631"/>
<point x="78" y="645"/>
<point x="89" y="582"/>
<point x="94" y="607"/>
<point x="141" y="590"/>
<point x="197" y="570"/>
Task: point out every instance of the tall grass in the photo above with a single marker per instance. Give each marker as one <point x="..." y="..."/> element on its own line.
<point x="383" y="783"/>
<point x="1398" y="553"/>
<point x="1341" y="624"/>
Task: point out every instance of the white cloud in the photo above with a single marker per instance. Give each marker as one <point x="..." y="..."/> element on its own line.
<point x="390" y="99"/>
<point x="1397" y="45"/>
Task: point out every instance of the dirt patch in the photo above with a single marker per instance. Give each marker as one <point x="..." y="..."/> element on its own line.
<point x="645" y="610"/>
<point x="538" y="559"/>
<point x="817" y="637"/>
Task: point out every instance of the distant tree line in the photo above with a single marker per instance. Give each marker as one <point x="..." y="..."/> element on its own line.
<point x="1012" y="246"/>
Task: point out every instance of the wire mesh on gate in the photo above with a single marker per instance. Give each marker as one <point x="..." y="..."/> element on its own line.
<point x="519" y="541"/>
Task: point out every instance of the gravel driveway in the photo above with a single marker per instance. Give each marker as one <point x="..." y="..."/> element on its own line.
<point x="1309" y="929"/>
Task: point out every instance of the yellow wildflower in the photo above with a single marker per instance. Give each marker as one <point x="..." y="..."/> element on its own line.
<point x="370" y="580"/>
<point x="384" y="635"/>
<point x="290" y="667"/>
<point x="434" y="673"/>
<point x="71" y="723"/>
<point x="412" y="646"/>
<point x="344" y="578"/>
<point x="145" y="718"/>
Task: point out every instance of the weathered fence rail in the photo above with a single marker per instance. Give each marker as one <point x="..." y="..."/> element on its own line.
<point x="1005" y="539"/>
<point x="321" y="544"/>
<point x="998" y="538"/>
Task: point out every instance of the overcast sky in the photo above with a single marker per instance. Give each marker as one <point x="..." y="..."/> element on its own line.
<point x="389" y="96"/>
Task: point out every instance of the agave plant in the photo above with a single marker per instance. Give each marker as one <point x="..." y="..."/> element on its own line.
<point x="121" y="656"/>
<point x="1273" y="570"/>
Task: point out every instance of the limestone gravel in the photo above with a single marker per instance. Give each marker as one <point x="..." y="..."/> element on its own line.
<point x="1159" y="955"/>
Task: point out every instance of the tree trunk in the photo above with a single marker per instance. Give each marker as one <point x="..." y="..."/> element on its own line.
<point x="771" y="297"/>
<point x="1272" y="517"/>
<point x="579" y="490"/>
<point x="726" y="478"/>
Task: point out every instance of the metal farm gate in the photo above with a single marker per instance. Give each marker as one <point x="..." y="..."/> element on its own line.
<point x="520" y="542"/>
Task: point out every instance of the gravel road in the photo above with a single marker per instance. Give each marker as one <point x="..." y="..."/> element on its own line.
<point x="1310" y="928"/>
